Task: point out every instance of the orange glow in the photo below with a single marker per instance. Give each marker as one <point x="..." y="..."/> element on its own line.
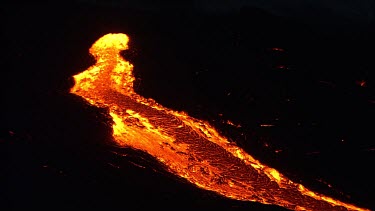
<point x="361" y="83"/>
<point x="190" y="148"/>
<point x="278" y="49"/>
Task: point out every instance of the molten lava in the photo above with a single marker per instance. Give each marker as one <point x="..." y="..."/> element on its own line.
<point x="188" y="147"/>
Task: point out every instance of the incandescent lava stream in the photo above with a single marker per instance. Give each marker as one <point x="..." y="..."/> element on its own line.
<point x="187" y="147"/>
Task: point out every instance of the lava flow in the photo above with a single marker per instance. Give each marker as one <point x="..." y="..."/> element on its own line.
<point x="188" y="147"/>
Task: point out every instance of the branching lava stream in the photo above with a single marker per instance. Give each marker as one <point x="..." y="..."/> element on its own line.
<point x="190" y="148"/>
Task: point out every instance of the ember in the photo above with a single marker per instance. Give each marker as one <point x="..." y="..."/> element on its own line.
<point x="188" y="147"/>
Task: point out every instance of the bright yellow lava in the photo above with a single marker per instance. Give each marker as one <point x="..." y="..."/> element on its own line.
<point x="188" y="147"/>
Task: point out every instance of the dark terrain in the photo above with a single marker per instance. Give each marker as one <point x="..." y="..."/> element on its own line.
<point x="313" y="82"/>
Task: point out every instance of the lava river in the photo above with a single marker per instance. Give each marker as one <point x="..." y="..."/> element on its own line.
<point x="188" y="147"/>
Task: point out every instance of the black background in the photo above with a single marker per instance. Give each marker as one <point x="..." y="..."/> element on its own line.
<point x="57" y="151"/>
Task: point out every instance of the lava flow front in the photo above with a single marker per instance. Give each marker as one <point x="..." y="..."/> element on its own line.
<point x="188" y="147"/>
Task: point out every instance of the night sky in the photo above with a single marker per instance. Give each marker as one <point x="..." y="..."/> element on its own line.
<point x="305" y="67"/>
<point x="337" y="11"/>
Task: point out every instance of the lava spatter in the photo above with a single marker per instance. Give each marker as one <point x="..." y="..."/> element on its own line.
<point x="190" y="148"/>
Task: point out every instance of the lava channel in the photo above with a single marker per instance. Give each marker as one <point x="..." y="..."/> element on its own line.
<point x="189" y="148"/>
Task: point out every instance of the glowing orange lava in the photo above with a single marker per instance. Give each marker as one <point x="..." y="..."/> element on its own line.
<point x="190" y="148"/>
